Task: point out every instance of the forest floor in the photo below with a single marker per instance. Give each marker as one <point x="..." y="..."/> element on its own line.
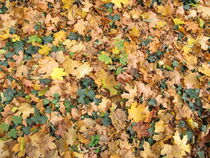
<point x="104" y="78"/>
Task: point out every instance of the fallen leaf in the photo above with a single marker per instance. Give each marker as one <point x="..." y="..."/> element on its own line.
<point x="141" y="129"/>
<point x="118" y="118"/>
<point x="205" y="11"/>
<point x="205" y="69"/>
<point x="83" y="69"/>
<point x="44" y="50"/>
<point x="178" y="21"/>
<point x="203" y="40"/>
<point x="106" y="81"/>
<point x="118" y="2"/>
<point x="180" y="148"/>
<point x="80" y="26"/>
<point x="165" y="10"/>
<point x="59" y="37"/>
<point x="137" y="112"/>
<point x="58" y="73"/>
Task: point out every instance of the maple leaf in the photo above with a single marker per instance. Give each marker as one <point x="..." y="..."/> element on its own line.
<point x="191" y="41"/>
<point x="70" y="66"/>
<point x="179" y="149"/>
<point x="67" y="4"/>
<point x="44" y="50"/>
<point x="134" y="32"/>
<point x="59" y="37"/>
<point x="83" y="69"/>
<point x="205" y="69"/>
<point x="46" y="65"/>
<point x="80" y="26"/>
<point x="25" y="109"/>
<point x="118" y="118"/>
<point x="160" y="24"/>
<point x="148" y="153"/>
<point x="105" y="58"/>
<point x="205" y="11"/>
<point x="178" y="21"/>
<point x="75" y="68"/>
<point x="164" y="10"/>
<point x="137" y="112"/>
<point x="118" y="2"/>
<point x="203" y="40"/>
<point x="106" y="80"/>
<point x="43" y="143"/>
<point x="141" y="129"/>
<point x="58" y="73"/>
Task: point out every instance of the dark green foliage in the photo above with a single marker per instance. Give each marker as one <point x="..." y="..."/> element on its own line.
<point x="9" y="94"/>
<point x="94" y="140"/>
<point x="3" y="8"/>
<point x="12" y="133"/>
<point x="4" y="127"/>
<point x="155" y="56"/>
<point x="18" y="46"/>
<point x="17" y="120"/>
<point x="47" y="39"/>
<point x="75" y="36"/>
<point x="106" y="121"/>
<point x="31" y="50"/>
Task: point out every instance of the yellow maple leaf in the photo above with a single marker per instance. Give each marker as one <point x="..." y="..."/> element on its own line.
<point x="189" y="58"/>
<point x="181" y="143"/>
<point x="15" y="38"/>
<point x="186" y="49"/>
<point x="58" y="73"/>
<point x="192" y="123"/>
<point x="179" y="149"/>
<point x="118" y="2"/>
<point x="134" y="32"/>
<point x="205" y="69"/>
<point x="59" y="37"/>
<point x="137" y="112"/>
<point x="164" y="10"/>
<point x="5" y="35"/>
<point x="67" y="4"/>
<point x="178" y="21"/>
<point x="44" y="50"/>
<point x="160" y="24"/>
<point x="191" y="41"/>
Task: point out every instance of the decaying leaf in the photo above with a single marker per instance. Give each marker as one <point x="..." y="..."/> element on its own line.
<point x="118" y="118"/>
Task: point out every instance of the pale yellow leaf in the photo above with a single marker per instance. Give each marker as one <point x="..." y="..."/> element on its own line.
<point x="205" y="69"/>
<point x="58" y="73"/>
<point x="44" y="50"/>
<point x="118" y="2"/>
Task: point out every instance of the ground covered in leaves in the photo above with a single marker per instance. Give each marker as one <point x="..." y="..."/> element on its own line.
<point x="104" y="78"/>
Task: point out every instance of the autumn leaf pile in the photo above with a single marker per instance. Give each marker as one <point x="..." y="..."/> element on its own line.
<point x="104" y="78"/>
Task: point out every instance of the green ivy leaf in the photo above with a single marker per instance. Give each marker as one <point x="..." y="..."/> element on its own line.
<point x="4" y="127"/>
<point x="17" y="120"/>
<point x="34" y="38"/>
<point x="94" y="141"/>
<point x="12" y="133"/>
<point x="105" y="58"/>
